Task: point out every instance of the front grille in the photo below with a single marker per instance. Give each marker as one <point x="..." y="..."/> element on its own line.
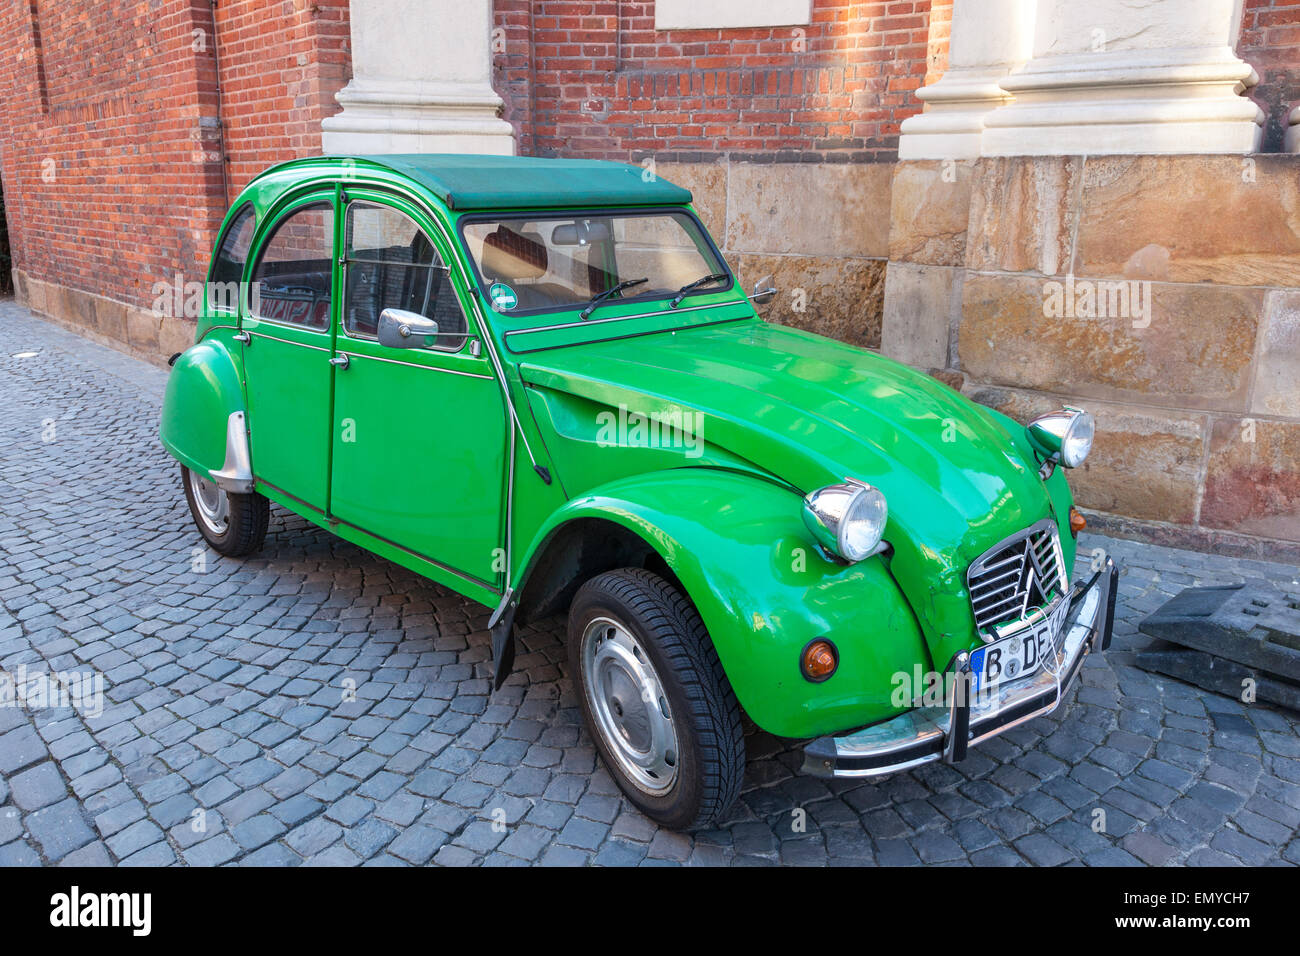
<point x="1017" y="576"/>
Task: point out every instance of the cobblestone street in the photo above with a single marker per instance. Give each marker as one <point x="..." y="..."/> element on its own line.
<point x="225" y="684"/>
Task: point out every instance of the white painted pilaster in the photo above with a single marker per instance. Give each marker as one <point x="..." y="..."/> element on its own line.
<point x="989" y="39"/>
<point x="421" y="81"/>
<point x="1129" y="76"/>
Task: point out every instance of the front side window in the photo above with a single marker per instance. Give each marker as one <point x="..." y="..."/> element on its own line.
<point x="548" y="264"/>
<point x="391" y="264"/>
<point x="291" y="283"/>
<point x="228" y="263"/>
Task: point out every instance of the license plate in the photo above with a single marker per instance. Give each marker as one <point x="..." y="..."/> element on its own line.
<point x="1018" y="655"/>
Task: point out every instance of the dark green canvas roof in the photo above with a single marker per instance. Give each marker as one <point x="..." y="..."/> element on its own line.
<point x="468" y="181"/>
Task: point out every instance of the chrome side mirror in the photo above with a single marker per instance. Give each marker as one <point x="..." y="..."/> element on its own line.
<point x="399" y="329"/>
<point x="764" y="290"/>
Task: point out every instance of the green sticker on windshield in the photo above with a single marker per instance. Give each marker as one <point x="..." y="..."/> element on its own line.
<point x="503" y="297"/>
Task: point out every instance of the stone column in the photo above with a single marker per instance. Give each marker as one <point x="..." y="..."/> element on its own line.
<point x="1129" y="76"/>
<point x="1293" y="132"/>
<point x="989" y="39"/>
<point x="421" y="81"/>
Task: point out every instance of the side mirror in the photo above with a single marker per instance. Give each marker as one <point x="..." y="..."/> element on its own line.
<point x="399" y="329"/>
<point x="764" y="290"/>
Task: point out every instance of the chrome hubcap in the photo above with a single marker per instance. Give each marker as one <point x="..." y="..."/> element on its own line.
<point x="211" y="503"/>
<point x="630" y="705"/>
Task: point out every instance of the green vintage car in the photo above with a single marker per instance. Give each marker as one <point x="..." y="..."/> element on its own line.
<point x="538" y="383"/>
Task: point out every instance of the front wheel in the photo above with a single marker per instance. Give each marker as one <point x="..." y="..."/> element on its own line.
<point x="655" y="698"/>
<point x="233" y="524"/>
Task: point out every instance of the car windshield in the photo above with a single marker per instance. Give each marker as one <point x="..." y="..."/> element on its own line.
<point x="539" y="265"/>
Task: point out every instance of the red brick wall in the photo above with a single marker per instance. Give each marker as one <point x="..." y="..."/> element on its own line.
<point x="593" y="78"/>
<point x="112" y="155"/>
<point x="1270" y="42"/>
<point x="940" y="34"/>
<point x="107" y="169"/>
<point x="110" y="147"/>
<point x="281" y="64"/>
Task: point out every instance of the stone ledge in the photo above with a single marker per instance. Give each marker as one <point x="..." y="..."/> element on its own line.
<point x="128" y="328"/>
<point x="930" y="212"/>
<point x="1252" y="479"/>
<point x="1195" y="351"/>
<point x="1215" y="473"/>
<point x="1224" y="543"/>
<point x="833" y="296"/>
<point x="922" y="311"/>
<point x="1149" y="462"/>
<point x="820" y="209"/>
<point x="1232" y="220"/>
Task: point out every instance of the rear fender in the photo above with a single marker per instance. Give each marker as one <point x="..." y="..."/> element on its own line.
<point x="203" y="425"/>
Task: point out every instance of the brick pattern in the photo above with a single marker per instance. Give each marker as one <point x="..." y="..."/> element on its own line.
<point x="109" y="172"/>
<point x="109" y="124"/>
<point x="593" y="78"/>
<point x="936" y="61"/>
<point x="227" y="692"/>
<point x="279" y="73"/>
<point x="1270" y="42"/>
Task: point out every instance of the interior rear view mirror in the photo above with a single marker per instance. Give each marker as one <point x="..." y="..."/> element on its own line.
<point x="583" y="232"/>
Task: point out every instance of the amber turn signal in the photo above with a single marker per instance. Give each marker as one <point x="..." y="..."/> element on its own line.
<point x="819" y="660"/>
<point x="1077" y="521"/>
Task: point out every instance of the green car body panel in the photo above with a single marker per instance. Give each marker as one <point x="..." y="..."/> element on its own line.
<point x="775" y="413"/>
<point x="205" y="388"/>
<point x="742" y="554"/>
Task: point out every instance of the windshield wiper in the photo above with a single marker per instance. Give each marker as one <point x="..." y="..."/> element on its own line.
<point x="600" y="297"/>
<point x="692" y="286"/>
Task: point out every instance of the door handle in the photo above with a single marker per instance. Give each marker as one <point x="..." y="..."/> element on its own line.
<point x="243" y="337"/>
<point x="342" y="361"/>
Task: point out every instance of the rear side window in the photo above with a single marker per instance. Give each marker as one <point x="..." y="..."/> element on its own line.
<point x="391" y="264"/>
<point x="228" y="264"/>
<point x="291" y="283"/>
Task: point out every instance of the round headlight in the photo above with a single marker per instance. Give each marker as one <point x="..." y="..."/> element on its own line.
<point x="1065" y="434"/>
<point x="847" y="519"/>
<point x="1078" y="440"/>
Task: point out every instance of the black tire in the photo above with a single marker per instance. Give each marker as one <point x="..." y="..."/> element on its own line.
<point x="705" y="716"/>
<point x="246" y="520"/>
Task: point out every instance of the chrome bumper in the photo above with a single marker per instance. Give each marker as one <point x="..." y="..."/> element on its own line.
<point x="927" y="734"/>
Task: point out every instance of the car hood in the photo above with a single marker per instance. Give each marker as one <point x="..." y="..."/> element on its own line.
<point x="812" y="411"/>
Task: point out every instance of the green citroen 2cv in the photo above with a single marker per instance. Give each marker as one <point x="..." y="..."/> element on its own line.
<point x="538" y="383"/>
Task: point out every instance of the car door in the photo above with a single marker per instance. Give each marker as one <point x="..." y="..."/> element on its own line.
<point x="419" y="438"/>
<point x="288" y="321"/>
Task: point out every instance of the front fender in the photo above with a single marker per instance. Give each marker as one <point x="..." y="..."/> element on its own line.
<point x="202" y="423"/>
<point x="738" y="545"/>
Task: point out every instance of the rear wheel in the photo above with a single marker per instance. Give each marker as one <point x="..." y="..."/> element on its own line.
<point x="655" y="698"/>
<point x="233" y="524"/>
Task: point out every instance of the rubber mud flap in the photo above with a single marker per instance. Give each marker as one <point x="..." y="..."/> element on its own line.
<point x="503" y="646"/>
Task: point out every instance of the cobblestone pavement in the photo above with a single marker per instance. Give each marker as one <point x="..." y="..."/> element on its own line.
<point x="223" y="695"/>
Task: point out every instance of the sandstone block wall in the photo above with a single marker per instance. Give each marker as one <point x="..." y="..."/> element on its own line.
<point x="1160" y="292"/>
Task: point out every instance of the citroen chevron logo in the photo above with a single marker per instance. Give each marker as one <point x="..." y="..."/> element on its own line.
<point x="1026" y="587"/>
<point x="1031" y="581"/>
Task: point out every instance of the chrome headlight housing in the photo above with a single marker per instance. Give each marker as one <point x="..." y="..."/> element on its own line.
<point x="1064" y="436"/>
<point x="847" y="520"/>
